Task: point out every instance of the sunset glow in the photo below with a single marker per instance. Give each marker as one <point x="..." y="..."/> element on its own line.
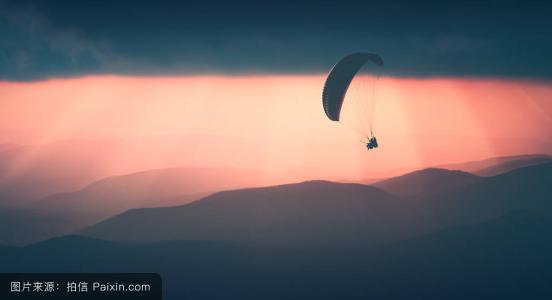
<point x="276" y="123"/>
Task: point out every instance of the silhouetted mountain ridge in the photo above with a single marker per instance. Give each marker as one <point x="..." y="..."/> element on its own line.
<point x="499" y="165"/>
<point x="525" y="188"/>
<point x="308" y="213"/>
<point x="504" y="258"/>
<point x="19" y="226"/>
<point x="514" y="164"/>
<point x="102" y="200"/>
<point x="152" y="188"/>
<point x="426" y="181"/>
<point x="508" y="257"/>
<point x="319" y="212"/>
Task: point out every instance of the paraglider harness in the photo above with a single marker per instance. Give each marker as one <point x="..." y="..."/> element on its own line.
<point x="372" y="142"/>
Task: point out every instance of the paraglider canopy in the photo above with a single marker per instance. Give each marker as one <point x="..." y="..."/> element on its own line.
<point x="340" y="78"/>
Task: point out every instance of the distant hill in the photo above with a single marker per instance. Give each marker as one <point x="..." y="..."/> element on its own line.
<point x="446" y="203"/>
<point x="525" y="188"/>
<point x="498" y="165"/>
<point x="314" y="213"/>
<point x="20" y="226"/>
<point x="30" y="173"/>
<point x="309" y="213"/>
<point x="190" y="269"/>
<point x="425" y="181"/>
<point x="152" y="188"/>
<point x="505" y="258"/>
<point x="67" y="212"/>
<point x="510" y="165"/>
<point x="509" y="257"/>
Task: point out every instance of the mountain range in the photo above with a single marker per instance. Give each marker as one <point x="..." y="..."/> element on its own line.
<point x="425" y="181"/>
<point x="318" y="212"/>
<point x="462" y="237"/>
<point x="498" y="165"/>
<point x="152" y="188"/>
<point x="505" y="258"/>
<point x="64" y="213"/>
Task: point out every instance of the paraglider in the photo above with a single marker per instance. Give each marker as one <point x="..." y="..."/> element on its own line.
<point x="349" y="96"/>
<point x="372" y="143"/>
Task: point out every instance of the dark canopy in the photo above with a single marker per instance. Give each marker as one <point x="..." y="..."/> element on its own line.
<point x="340" y="78"/>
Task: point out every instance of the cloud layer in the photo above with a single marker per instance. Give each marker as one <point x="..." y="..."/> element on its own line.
<point x="42" y="39"/>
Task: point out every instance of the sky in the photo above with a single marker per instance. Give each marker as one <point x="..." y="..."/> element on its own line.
<point x="43" y="39"/>
<point x="276" y="122"/>
<point x="238" y="83"/>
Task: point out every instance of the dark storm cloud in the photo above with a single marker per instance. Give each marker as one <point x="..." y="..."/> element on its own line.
<point x="41" y="39"/>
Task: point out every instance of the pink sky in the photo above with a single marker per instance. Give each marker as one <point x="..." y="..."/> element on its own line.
<point x="277" y="123"/>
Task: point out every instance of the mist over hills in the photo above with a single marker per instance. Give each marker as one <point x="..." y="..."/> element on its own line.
<point x="63" y="213"/>
<point x="22" y="226"/>
<point x="30" y="173"/>
<point x="425" y="181"/>
<point x="152" y="188"/>
<point x="498" y="165"/>
<point x="314" y="213"/>
<point x="66" y="212"/>
<point x="479" y="238"/>
<point x="509" y="165"/>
